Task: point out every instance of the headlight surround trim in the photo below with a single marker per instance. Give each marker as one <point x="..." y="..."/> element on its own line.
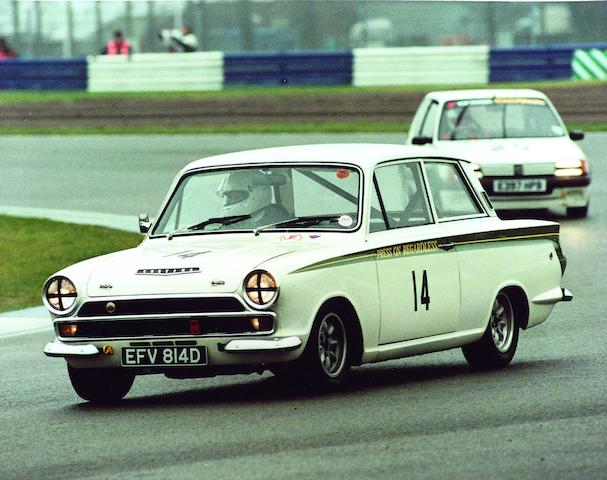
<point x="60" y="295"/>
<point x="260" y="289"/>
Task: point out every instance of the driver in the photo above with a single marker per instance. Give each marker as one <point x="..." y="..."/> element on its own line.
<point x="246" y="192"/>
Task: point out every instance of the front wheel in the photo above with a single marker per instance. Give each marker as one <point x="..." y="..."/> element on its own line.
<point x="100" y="385"/>
<point x="577" y="212"/>
<point x="326" y="359"/>
<point x="497" y="346"/>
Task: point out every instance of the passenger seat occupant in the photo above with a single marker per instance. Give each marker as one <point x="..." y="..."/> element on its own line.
<point x="245" y="193"/>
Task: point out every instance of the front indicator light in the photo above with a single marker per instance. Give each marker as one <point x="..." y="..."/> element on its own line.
<point x="262" y="324"/>
<point x="261" y="289"/>
<point x="68" y="329"/>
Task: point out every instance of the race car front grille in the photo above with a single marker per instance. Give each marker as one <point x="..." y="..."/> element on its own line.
<point x="232" y="325"/>
<point x="160" y="306"/>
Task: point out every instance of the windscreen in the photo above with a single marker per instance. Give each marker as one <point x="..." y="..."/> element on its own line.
<point x="246" y="198"/>
<point x="498" y="118"/>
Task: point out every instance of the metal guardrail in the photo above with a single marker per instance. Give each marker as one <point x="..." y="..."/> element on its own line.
<point x="529" y="64"/>
<point x="534" y="63"/>
<point x="295" y="68"/>
<point x="43" y="74"/>
<point x="361" y="67"/>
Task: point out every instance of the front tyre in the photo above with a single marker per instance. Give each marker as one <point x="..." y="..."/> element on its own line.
<point x="497" y="346"/>
<point x="577" y="212"/>
<point x="100" y="385"/>
<point x="326" y="359"/>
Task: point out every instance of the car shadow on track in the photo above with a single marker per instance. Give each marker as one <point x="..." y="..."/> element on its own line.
<point x="368" y="380"/>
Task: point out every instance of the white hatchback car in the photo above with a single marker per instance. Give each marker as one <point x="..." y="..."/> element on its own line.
<point x="305" y="261"/>
<point x="521" y="149"/>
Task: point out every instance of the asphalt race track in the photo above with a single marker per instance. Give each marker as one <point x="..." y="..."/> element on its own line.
<point x="424" y="417"/>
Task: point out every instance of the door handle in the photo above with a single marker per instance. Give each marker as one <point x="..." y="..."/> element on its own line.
<point x="446" y="245"/>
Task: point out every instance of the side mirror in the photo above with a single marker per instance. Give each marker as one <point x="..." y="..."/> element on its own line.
<point x="144" y="223"/>
<point x="421" y="140"/>
<point x="576" y="135"/>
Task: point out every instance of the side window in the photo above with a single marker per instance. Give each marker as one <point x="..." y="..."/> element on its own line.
<point x="450" y="193"/>
<point x="427" y="128"/>
<point x="400" y="197"/>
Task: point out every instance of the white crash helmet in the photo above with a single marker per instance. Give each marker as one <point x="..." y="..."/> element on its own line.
<point x="241" y="194"/>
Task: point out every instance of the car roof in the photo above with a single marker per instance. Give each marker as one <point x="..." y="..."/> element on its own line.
<point x="363" y="154"/>
<point x="447" y="95"/>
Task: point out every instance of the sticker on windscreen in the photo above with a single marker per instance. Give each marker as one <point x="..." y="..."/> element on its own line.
<point x="345" y="221"/>
<point x="343" y="173"/>
<point x="525" y="101"/>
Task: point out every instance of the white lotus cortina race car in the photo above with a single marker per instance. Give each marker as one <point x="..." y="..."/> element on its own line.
<point x="305" y="261"/>
<point x="518" y="144"/>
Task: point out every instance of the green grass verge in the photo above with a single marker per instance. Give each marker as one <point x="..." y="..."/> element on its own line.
<point x="31" y="250"/>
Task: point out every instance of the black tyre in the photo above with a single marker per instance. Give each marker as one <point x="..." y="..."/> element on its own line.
<point x="100" y="385"/>
<point x="577" y="212"/>
<point x="497" y="346"/>
<point x="326" y="359"/>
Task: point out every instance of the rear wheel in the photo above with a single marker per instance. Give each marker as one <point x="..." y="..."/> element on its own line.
<point x="497" y="346"/>
<point x="100" y="385"/>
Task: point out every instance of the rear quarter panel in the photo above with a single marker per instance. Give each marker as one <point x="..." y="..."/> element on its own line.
<point x="520" y="258"/>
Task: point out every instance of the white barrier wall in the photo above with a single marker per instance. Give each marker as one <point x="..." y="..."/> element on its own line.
<point x="156" y="72"/>
<point x="420" y="65"/>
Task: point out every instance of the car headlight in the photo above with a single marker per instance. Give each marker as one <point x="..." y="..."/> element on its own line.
<point x="260" y="289"/>
<point x="570" y="168"/>
<point x="60" y="295"/>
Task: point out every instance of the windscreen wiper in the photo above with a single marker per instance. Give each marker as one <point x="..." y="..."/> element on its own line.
<point x="211" y="221"/>
<point x="298" y="221"/>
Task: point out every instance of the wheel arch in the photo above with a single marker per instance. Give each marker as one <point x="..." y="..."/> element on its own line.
<point x="520" y="304"/>
<point x="355" y="337"/>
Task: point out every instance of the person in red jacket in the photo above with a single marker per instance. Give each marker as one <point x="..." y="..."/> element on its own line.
<point x="117" y="45"/>
<point x="5" y="51"/>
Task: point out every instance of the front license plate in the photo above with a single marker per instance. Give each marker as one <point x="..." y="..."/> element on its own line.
<point x="520" y="185"/>
<point x="150" y="356"/>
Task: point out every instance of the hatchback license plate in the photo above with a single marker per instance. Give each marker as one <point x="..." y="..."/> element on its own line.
<point x="151" y="356"/>
<point x="517" y="185"/>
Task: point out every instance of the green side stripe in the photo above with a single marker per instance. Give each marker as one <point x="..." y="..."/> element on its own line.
<point x="500" y="239"/>
<point x="414" y="249"/>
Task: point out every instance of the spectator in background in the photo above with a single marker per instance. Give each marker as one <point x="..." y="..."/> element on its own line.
<point x="183" y="40"/>
<point x="117" y="45"/>
<point x="5" y="51"/>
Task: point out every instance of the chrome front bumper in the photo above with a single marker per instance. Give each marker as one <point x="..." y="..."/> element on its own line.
<point x="60" y="349"/>
<point x="262" y="345"/>
<point x="57" y="348"/>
